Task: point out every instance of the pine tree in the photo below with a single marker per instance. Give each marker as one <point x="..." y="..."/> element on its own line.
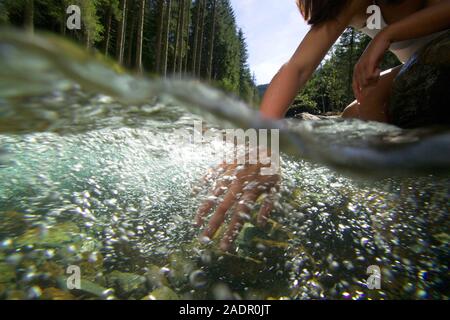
<point x="159" y="34"/>
<point x="186" y="42"/>
<point x="120" y="47"/>
<point x="199" y="37"/>
<point x="246" y="84"/>
<point x="195" y="36"/>
<point x="211" y="41"/>
<point x="92" y="28"/>
<point x="29" y="16"/>
<point x="165" y="55"/>
<point x="140" y="35"/>
<point x="201" y="30"/>
<point x="108" y="28"/>
<point x="178" y="36"/>
<point x="131" y="32"/>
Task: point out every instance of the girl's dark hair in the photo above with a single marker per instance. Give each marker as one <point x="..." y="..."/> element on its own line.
<point x="318" y="11"/>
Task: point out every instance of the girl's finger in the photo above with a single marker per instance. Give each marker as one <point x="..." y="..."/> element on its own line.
<point x="218" y="218"/>
<point x="219" y="189"/>
<point x="208" y="204"/>
<point x="267" y="206"/>
<point x="376" y="74"/>
<point x="241" y="213"/>
<point x="265" y="211"/>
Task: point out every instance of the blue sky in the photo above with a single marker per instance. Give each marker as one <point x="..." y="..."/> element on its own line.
<point x="273" y="29"/>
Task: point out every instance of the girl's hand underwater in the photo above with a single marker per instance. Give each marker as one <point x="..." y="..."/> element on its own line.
<point x="240" y="186"/>
<point x="367" y="72"/>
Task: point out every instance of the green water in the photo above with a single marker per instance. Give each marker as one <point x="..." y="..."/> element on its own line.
<point x="94" y="173"/>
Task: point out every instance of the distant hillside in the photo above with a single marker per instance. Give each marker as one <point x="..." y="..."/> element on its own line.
<point x="262" y="89"/>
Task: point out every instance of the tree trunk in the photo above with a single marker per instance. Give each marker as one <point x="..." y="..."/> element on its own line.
<point x="196" y="35"/>
<point x="200" y="40"/>
<point x="140" y="36"/>
<point x="177" y="37"/>
<point x="186" y="47"/>
<point x="121" y="32"/>
<point x="182" y="37"/>
<point x="63" y="24"/>
<point x="87" y="39"/>
<point x="166" y="38"/>
<point x="159" y="35"/>
<point x="132" y="34"/>
<point x="29" y="16"/>
<point x="108" y="30"/>
<point x="211" y="42"/>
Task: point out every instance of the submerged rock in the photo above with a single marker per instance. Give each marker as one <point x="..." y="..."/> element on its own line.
<point x="93" y="289"/>
<point x="127" y="258"/>
<point x="91" y="265"/>
<point x="7" y="273"/>
<point x="51" y="268"/>
<point x="55" y="236"/>
<point x="128" y="284"/>
<point x="180" y="267"/>
<point x="12" y="224"/>
<point x="312" y="117"/>
<point x="87" y="288"/>
<point x="155" y="277"/>
<point x="15" y="295"/>
<point x="56" y="294"/>
<point x="420" y="94"/>
<point x="248" y="235"/>
<point x="162" y="293"/>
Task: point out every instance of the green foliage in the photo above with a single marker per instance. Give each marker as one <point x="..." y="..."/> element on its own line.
<point x="246" y="83"/>
<point x="229" y="71"/>
<point x="12" y="10"/>
<point x="93" y="29"/>
<point x="3" y="13"/>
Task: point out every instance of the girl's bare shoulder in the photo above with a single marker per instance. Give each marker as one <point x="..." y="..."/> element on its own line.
<point x="355" y="12"/>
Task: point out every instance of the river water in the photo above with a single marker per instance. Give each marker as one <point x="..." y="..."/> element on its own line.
<point x="94" y="174"/>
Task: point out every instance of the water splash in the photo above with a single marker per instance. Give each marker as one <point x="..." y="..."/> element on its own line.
<point x="51" y="65"/>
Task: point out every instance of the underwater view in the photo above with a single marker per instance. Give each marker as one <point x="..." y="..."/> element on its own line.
<point x="99" y="175"/>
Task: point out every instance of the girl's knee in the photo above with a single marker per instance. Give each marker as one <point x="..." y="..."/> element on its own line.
<point x="373" y="111"/>
<point x="352" y="111"/>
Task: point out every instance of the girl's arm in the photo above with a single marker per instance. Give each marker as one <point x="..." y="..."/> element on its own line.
<point x="295" y="73"/>
<point x="432" y="19"/>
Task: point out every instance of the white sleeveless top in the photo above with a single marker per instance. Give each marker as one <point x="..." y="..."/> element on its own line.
<point x="403" y="49"/>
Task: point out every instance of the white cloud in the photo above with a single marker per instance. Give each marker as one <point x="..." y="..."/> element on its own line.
<point x="273" y="29"/>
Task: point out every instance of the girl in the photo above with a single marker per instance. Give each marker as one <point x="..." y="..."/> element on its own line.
<point x="407" y="25"/>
